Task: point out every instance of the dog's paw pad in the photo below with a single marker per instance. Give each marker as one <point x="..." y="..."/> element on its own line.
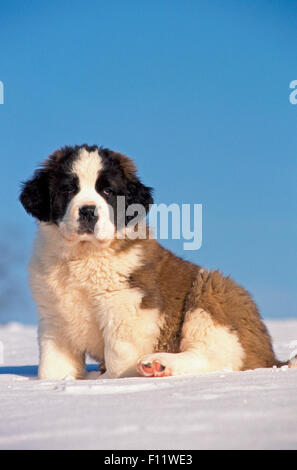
<point x="154" y="368"/>
<point x="145" y="369"/>
<point x="160" y="370"/>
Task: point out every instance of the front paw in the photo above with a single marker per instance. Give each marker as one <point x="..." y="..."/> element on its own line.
<point x="45" y="375"/>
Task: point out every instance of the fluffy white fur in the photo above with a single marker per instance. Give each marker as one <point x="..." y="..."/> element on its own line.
<point x="86" y="305"/>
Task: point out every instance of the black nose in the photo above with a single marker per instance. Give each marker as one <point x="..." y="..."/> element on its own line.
<point x="87" y="213"/>
<point x="87" y="219"/>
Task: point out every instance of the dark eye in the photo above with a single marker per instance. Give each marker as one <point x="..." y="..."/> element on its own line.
<point x="68" y="189"/>
<point x="107" y="191"/>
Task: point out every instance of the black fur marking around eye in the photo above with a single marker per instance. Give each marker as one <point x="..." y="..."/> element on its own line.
<point x="45" y="196"/>
<point x="119" y="174"/>
<point x="66" y="186"/>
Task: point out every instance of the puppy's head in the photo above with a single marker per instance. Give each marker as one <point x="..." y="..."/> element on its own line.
<point x="77" y="189"/>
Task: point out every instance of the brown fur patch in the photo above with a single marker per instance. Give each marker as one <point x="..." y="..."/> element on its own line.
<point x="165" y="281"/>
<point x="127" y="165"/>
<point x="232" y="306"/>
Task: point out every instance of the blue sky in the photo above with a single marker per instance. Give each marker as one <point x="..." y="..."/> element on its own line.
<point x="197" y="92"/>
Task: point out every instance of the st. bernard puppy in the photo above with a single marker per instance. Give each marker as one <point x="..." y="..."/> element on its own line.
<point x="126" y="301"/>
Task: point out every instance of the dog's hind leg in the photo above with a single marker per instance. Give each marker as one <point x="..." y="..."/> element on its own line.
<point x="205" y="347"/>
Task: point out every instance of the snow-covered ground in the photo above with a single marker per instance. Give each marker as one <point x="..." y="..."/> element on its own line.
<point x="227" y="410"/>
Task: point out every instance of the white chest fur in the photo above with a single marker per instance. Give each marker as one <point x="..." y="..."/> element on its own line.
<point x="83" y="295"/>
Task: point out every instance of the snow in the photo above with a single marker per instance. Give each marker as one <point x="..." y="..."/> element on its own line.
<point x="225" y="410"/>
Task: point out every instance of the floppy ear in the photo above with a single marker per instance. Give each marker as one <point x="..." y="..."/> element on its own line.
<point x="35" y="196"/>
<point x="138" y="193"/>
